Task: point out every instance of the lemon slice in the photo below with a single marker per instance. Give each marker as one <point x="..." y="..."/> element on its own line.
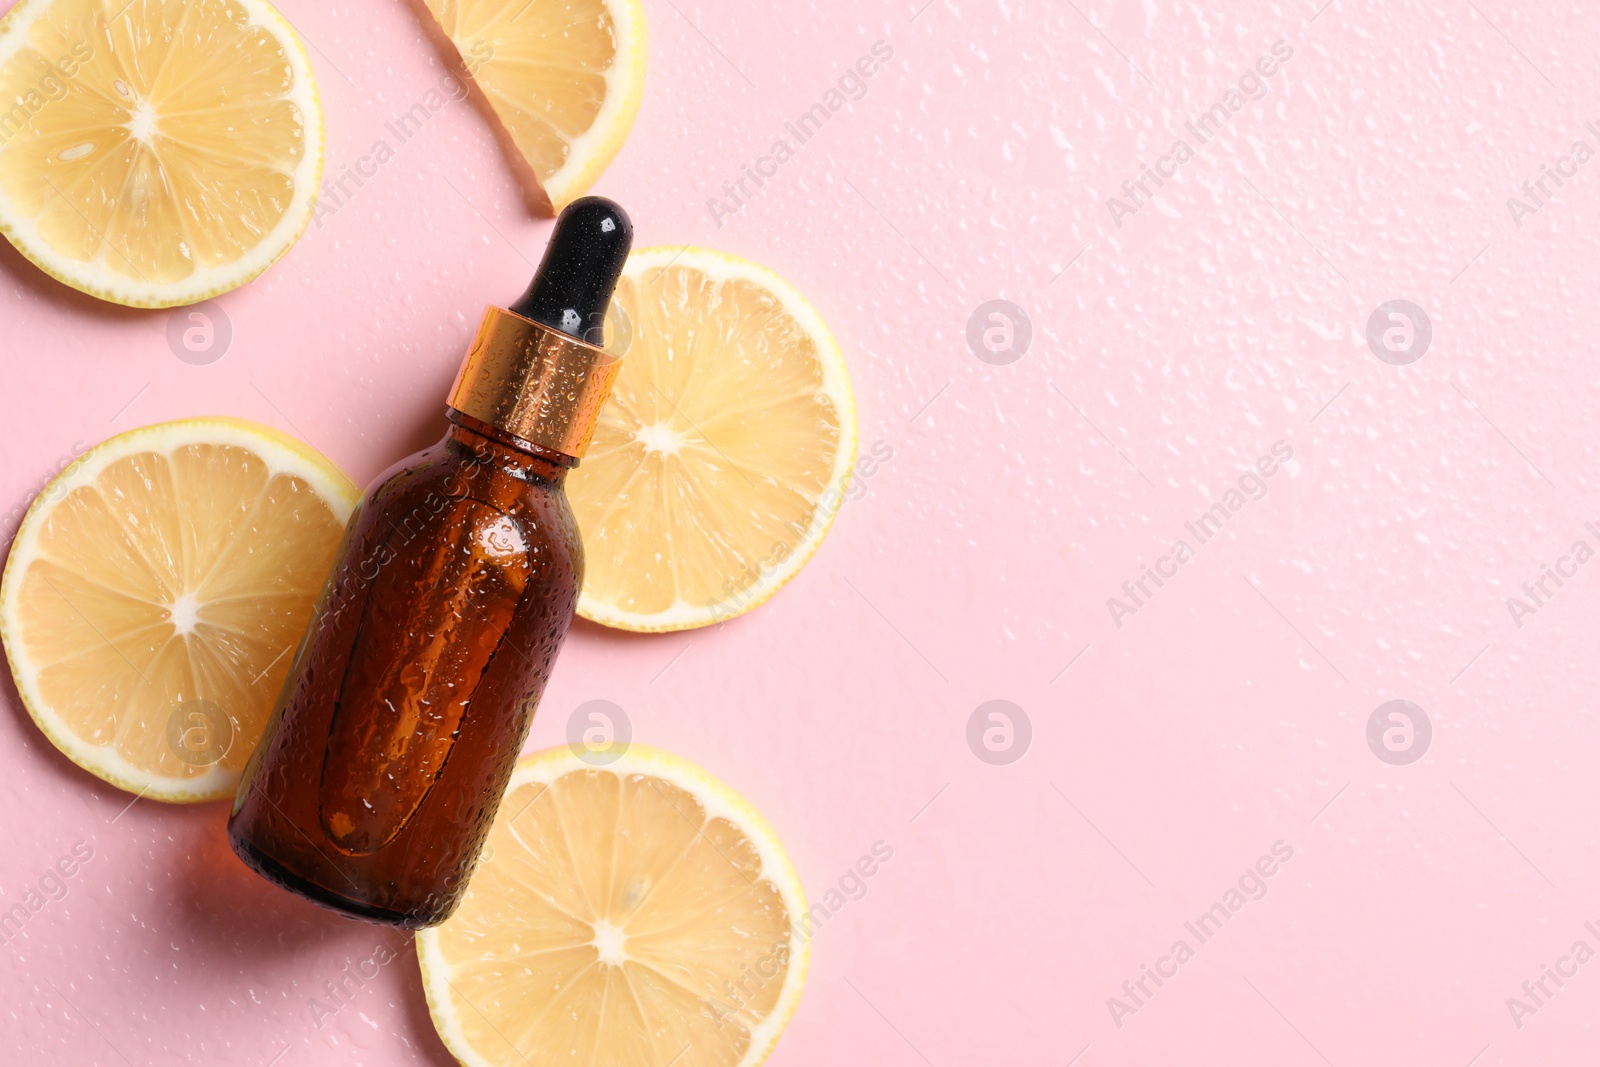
<point x="632" y="915"/>
<point x="155" y="152"/>
<point x="565" y="79"/>
<point x="155" y="592"/>
<point x="723" y="454"/>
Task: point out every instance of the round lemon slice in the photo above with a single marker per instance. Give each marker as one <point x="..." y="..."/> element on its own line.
<point x="725" y="450"/>
<point x="156" y="591"/>
<point x="155" y="152"/>
<point x="564" y="78"/>
<point x="634" y="914"/>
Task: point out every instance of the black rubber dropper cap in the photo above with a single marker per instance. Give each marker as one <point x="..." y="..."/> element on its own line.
<point x="581" y="265"/>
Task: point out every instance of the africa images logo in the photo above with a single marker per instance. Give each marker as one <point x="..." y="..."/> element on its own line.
<point x="1252" y="486"/>
<point x="1252" y="85"/>
<point x="850" y="87"/>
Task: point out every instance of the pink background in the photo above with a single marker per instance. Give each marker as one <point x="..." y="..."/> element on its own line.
<point x="1229" y="713"/>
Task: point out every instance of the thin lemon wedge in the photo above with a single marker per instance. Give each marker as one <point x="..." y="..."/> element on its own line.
<point x="565" y="79"/>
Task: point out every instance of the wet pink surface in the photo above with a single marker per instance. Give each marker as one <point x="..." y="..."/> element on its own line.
<point x="1175" y="342"/>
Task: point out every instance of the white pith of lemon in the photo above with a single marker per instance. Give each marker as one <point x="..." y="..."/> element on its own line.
<point x="632" y="914"/>
<point x="155" y="152"/>
<point x="159" y="585"/>
<point x="565" y="79"/>
<point x="724" y="452"/>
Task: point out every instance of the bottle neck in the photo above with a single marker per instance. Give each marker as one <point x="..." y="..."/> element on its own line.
<point x="536" y="385"/>
<point x="489" y="444"/>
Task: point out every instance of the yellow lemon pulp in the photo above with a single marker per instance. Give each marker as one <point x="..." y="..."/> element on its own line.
<point x="155" y="593"/>
<point x="723" y="454"/>
<point x="637" y="913"/>
<point x="155" y="152"/>
<point x="564" y="77"/>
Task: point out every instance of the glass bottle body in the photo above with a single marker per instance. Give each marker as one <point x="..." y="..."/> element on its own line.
<point x="412" y="691"/>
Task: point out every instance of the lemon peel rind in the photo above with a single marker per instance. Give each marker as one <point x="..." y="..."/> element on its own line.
<point x="282" y="454"/>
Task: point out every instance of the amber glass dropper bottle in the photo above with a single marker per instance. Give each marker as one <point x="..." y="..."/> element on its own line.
<point x="412" y="691"/>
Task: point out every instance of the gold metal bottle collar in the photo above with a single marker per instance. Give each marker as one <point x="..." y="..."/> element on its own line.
<point x="534" y="383"/>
